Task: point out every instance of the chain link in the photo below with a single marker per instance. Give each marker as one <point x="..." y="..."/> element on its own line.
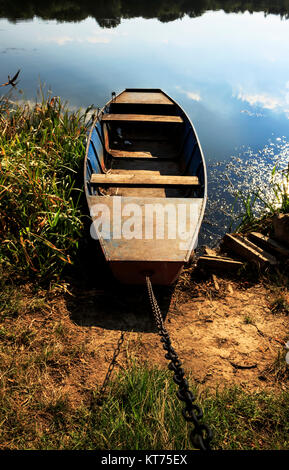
<point x="201" y="434"/>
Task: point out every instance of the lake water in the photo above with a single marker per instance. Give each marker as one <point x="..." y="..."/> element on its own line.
<point x="229" y="71"/>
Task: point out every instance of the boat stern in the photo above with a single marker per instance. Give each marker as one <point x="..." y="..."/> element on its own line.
<point x="135" y="272"/>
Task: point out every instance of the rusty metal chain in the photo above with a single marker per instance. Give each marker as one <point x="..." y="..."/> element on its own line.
<point x="201" y="435"/>
<point x="111" y="366"/>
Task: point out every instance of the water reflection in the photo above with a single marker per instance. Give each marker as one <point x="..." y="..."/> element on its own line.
<point x="229" y="71"/>
<point x="231" y="181"/>
<point x="109" y="13"/>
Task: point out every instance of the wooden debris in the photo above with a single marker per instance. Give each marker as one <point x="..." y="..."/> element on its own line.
<point x="209" y="251"/>
<point x="216" y="284"/>
<point x="269" y="244"/>
<point x="248" y="250"/>
<point x="230" y="289"/>
<point x="219" y="262"/>
<point x="281" y="227"/>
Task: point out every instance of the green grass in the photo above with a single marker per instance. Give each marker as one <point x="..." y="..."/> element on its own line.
<point x="249" y="421"/>
<point x="42" y="150"/>
<point x="273" y="201"/>
<point x="140" y="412"/>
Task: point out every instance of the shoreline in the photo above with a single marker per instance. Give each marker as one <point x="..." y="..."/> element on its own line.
<point x="60" y="327"/>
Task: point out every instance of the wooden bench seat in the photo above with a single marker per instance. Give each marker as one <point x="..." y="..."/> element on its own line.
<point x="142" y="180"/>
<point x="141" y="118"/>
<point x="138" y="97"/>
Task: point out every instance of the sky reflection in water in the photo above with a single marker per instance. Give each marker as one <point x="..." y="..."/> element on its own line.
<point x="230" y="72"/>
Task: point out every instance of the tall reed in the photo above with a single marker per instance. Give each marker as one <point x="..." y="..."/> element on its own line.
<point x="270" y="201"/>
<point x="42" y="149"/>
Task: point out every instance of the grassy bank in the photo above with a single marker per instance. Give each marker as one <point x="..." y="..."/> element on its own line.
<point x="139" y="411"/>
<point x="42" y="150"/>
<point x="46" y="398"/>
<point x="44" y="404"/>
<point x="51" y="372"/>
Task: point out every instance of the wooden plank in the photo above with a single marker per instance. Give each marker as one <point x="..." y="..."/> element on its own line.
<point x="141" y="118"/>
<point x="248" y="250"/>
<point x="269" y="244"/>
<point x="133" y="97"/>
<point x="152" y="239"/>
<point x="147" y="149"/>
<point x="132" y="154"/>
<point x="143" y="180"/>
<point x="217" y="262"/>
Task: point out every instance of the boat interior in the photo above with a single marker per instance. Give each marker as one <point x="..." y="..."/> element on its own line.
<point x="142" y="150"/>
<point x="144" y="145"/>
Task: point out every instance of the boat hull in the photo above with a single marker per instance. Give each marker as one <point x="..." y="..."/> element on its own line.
<point x="135" y="272"/>
<point x="143" y="151"/>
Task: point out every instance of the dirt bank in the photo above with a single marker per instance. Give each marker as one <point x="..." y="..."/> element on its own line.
<point x="225" y="332"/>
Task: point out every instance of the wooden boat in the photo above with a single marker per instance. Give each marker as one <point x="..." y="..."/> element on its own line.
<point x="144" y="172"/>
